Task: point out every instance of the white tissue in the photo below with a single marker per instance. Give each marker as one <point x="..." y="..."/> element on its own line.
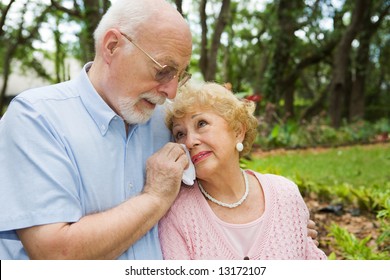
<point x="189" y="173"/>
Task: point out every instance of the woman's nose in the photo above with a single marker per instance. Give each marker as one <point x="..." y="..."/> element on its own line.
<point x="192" y="140"/>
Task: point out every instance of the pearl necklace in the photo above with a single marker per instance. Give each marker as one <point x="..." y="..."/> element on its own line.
<point x="228" y="205"/>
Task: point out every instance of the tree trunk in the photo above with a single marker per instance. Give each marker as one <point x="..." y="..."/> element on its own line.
<point x="179" y="6"/>
<point x="338" y="86"/>
<point x="93" y="14"/>
<point x="357" y="104"/>
<point x="3" y="102"/>
<point x="280" y="86"/>
<point x="6" y="73"/>
<point x="203" y="62"/>
<point x="357" y="100"/>
<point x="4" y="13"/>
<point x="208" y="60"/>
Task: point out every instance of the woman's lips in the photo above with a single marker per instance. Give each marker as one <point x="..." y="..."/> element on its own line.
<point x="199" y="157"/>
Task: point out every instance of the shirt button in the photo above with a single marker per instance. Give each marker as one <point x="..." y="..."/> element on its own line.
<point x="103" y="127"/>
<point x="130" y="186"/>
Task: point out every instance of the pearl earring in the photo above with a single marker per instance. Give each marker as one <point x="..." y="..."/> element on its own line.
<point x="239" y="147"/>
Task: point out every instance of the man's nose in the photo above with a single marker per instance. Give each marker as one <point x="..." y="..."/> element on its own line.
<point x="169" y="89"/>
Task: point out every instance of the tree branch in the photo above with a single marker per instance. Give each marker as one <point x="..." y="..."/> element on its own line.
<point x="4" y="16"/>
<point x="73" y="12"/>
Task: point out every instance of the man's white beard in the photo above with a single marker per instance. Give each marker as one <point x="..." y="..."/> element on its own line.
<point x="133" y="114"/>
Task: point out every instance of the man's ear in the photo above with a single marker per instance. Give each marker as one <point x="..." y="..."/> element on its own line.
<point x="110" y="44"/>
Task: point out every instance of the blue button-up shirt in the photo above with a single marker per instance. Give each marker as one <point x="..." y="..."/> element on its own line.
<point x="64" y="154"/>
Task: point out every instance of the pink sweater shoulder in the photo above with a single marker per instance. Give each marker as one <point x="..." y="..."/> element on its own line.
<point x="190" y="231"/>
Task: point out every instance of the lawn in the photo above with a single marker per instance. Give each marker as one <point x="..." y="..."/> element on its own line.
<point x="357" y="165"/>
<point x="355" y="180"/>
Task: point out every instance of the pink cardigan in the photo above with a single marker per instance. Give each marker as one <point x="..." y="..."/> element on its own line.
<point x="189" y="229"/>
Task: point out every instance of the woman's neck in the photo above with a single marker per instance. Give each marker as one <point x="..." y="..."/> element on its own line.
<point x="227" y="186"/>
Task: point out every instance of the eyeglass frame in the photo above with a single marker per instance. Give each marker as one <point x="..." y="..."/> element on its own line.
<point x="183" y="78"/>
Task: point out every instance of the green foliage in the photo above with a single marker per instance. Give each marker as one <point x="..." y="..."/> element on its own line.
<point x="371" y="198"/>
<point x="384" y="238"/>
<point x="352" y="248"/>
<point x="318" y="132"/>
<point x="382" y="126"/>
<point x="384" y="218"/>
<point x="385" y="212"/>
<point x="283" y="134"/>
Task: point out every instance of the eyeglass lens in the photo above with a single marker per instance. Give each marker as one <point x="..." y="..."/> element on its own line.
<point x="184" y="79"/>
<point x="165" y="74"/>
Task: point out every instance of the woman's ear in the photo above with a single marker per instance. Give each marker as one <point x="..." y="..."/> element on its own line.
<point x="240" y="134"/>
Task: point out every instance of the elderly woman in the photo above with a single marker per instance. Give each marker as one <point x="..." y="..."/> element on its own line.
<point x="229" y="213"/>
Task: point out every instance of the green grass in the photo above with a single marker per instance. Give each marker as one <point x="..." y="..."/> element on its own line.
<point x="357" y="165"/>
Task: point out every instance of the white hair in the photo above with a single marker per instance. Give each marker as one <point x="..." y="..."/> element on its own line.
<point x="125" y="15"/>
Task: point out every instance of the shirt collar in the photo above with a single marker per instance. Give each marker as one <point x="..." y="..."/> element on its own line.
<point x="98" y="109"/>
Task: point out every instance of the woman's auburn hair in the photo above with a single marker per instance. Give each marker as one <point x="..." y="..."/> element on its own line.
<point x="238" y="113"/>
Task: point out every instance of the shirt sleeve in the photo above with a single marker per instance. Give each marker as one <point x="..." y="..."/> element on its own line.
<point x="38" y="181"/>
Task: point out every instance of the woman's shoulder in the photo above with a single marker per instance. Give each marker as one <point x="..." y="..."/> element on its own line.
<point x="277" y="186"/>
<point x="273" y="179"/>
<point x="187" y="197"/>
<point x="187" y="192"/>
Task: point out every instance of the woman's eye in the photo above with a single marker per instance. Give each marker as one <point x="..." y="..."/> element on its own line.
<point x="202" y="123"/>
<point x="179" y="135"/>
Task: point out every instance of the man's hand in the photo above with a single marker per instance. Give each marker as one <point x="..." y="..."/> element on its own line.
<point x="311" y="231"/>
<point x="164" y="171"/>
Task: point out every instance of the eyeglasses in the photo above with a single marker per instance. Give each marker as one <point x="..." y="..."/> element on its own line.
<point x="166" y="73"/>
